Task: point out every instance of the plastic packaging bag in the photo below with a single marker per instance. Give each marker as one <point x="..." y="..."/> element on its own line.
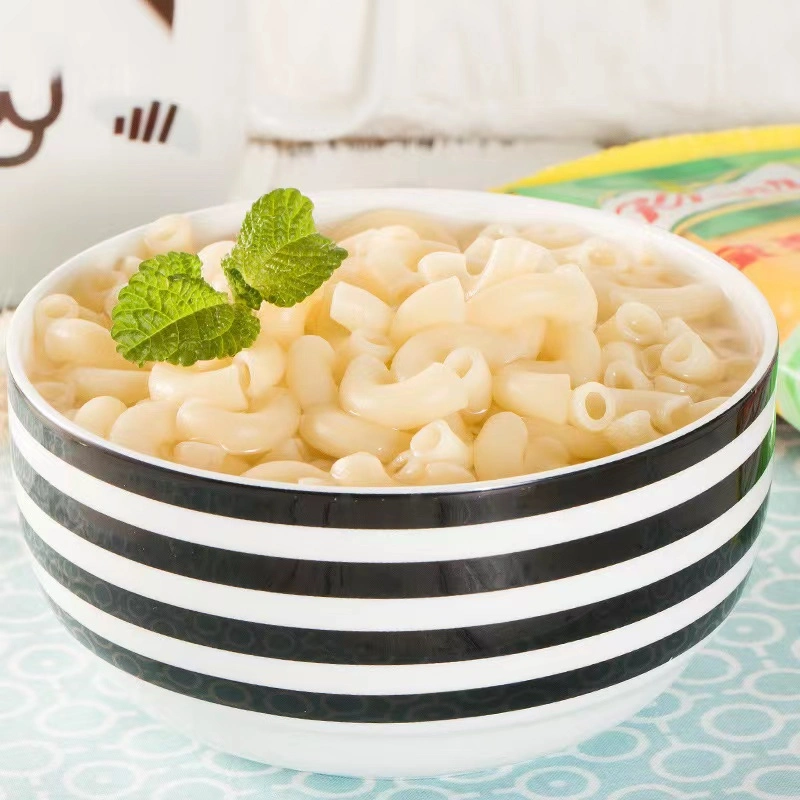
<point x="735" y="192"/>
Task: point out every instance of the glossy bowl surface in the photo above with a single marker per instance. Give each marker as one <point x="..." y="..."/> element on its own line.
<point x="399" y="632"/>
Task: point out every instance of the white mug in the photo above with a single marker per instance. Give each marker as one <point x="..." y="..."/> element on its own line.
<point x="112" y="114"/>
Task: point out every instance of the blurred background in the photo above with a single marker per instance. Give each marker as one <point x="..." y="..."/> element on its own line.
<point x="113" y="112"/>
<point x="473" y="93"/>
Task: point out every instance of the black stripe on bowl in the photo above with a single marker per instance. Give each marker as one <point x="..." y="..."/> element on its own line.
<point x="393" y="580"/>
<point x="293" y="506"/>
<point x="403" y="708"/>
<point x="395" y="647"/>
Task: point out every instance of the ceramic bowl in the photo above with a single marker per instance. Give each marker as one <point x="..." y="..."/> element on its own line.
<point x="399" y="632"/>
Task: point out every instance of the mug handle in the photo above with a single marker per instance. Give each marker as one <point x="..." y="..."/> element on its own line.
<point x="278" y="118"/>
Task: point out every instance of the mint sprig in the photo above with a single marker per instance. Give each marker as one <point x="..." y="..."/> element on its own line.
<point x="168" y="312"/>
<point x="279" y="252"/>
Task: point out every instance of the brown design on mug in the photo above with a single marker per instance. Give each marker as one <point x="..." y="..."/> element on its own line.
<point x="138" y="132"/>
<point x="165" y="10"/>
<point x="36" y="127"/>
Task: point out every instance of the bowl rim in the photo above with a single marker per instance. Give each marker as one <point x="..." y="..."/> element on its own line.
<point x="741" y="292"/>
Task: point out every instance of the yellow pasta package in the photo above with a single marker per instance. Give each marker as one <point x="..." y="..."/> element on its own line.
<point x="735" y="192"/>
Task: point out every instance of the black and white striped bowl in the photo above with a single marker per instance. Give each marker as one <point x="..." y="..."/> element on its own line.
<point x="399" y="632"/>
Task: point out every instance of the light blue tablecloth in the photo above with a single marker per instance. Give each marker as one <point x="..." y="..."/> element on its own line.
<point x="730" y="728"/>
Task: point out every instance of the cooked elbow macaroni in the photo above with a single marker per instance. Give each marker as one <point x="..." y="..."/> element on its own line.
<point x="428" y="358"/>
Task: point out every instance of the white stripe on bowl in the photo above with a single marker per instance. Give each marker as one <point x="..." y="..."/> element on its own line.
<point x="425" y="613"/>
<point x="395" y="679"/>
<point x="384" y="546"/>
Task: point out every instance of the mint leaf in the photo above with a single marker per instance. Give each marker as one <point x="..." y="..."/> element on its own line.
<point x="241" y="291"/>
<point x="279" y="253"/>
<point x="173" y="263"/>
<point x="167" y="312"/>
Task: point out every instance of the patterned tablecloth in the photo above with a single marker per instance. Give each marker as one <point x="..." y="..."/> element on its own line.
<point x="730" y="728"/>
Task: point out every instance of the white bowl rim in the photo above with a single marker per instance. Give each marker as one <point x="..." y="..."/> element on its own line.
<point x="446" y="202"/>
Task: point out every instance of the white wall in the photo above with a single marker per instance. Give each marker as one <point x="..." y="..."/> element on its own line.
<point x="607" y="70"/>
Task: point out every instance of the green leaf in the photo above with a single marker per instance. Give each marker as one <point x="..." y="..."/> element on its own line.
<point x="241" y="291"/>
<point x="174" y="263"/>
<point x="167" y="312"/>
<point x="279" y="253"/>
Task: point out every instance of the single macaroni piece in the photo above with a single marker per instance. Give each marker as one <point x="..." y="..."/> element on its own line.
<point x="470" y="365"/>
<point x="287" y="471"/>
<point x="625" y="375"/>
<point x="292" y="449"/>
<point x="261" y="367"/>
<point x="52" y="307"/>
<point x="689" y="358"/>
<point x="690" y="302"/>
<point x="440" y="266"/>
<point x="631" y="430"/>
<point x="309" y="372"/>
<point x="476" y="255"/>
<point x="360" y="469"/>
<point x="688" y="414"/>
<point x="126" y="385"/>
<point x="500" y="447"/>
<point x="561" y="296"/>
<point x="240" y="432"/>
<point x="99" y="414"/>
<point x="112" y="297"/>
<point x="284" y="325"/>
<point x="336" y="433"/>
<point x="430" y="357"/>
<point x="592" y="406"/>
<point x="437" y="442"/>
<point x="533" y="394"/>
<point x="219" y="387"/>
<point x="666" y="383"/>
<point x="460" y="427"/>
<point x="80" y="342"/>
<point x="358" y="310"/>
<point x="443" y="472"/>
<point x="438" y="303"/>
<point x="173" y="232"/>
<point x="650" y="359"/>
<point x="212" y="457"/>
<point x="148" y="427"/>
<point x="419" y="473"/>
<point x="632" y="322"/>
<point x="546" y="452"/>
<point x="367" y="389"/>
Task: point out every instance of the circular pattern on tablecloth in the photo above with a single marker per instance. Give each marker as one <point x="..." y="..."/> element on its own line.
<point x="730" y="727"/>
